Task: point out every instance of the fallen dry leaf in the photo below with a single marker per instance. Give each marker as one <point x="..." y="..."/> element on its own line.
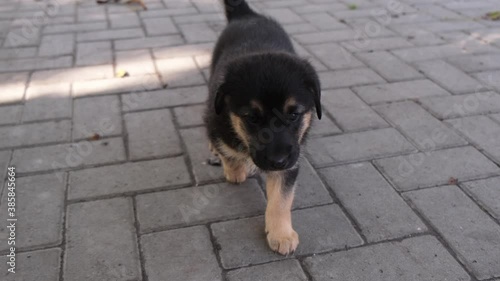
<point x="140" y="2"/>
<point x="492" y="16"/>
<point x="452" y="181"/>
<point x="94" y="137"/>
<point x="122" y="73"/>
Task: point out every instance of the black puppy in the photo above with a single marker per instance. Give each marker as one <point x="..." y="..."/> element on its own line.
<point x="260" y="106"/>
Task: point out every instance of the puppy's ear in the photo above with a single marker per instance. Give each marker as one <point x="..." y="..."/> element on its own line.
<point x="311" y="80"/>
<point x="219" y="100"/>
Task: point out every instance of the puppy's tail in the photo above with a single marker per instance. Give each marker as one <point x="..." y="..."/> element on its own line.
<point x="236" y="9"/>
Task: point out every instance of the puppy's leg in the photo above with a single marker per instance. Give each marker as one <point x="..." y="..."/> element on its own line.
<point x="280" y="192"/>
<point x="235" y="170"/>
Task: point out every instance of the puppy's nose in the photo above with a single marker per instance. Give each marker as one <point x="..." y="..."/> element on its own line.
<point x="279" y="162"/>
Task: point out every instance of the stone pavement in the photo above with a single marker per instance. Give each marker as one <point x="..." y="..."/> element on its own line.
<point x="400" y="181"/>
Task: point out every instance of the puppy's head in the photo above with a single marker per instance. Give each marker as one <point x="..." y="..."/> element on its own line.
<point x="270" y="99"/>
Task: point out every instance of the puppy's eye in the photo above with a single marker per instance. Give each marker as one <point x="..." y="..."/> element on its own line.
<point x="252" y="118"/>
<point x="292" y="117"/>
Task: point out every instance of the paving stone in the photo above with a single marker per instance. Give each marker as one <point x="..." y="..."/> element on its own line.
<point x="325" y="36"/>
<point x="334" y="56"/>
<point x="69" y="155"/>
<point x="348" y="78"/>
<point x="486" y="192"/>
<point x="199" y="18"/>
<point x="489" y="78"/>
<point x="247" y="235"/>
<point x="439" y="12"/>
<point x="287" y="270"/>
<point x="182" y="248"/>
<point x="37" y="133"/>
<point x="29" y="263"/>
<point x="467" y="229"/>
<point x="197" y="205"/>
<point x="57" y="45"/>
<point x="325" y="126"/>
<point x="357" y="147"/>
<point x="299" y="28"/>
<point x="186" y="10"/>
<point x="189" y="115"/>
<point x="137" y="62"/>
<point x="97" y="115"/>
<point x="39" y="211"/>
<point x="178" y="72"/>
<point x="350" y="112"/>
<point x="123" y="20"/>
<point x="22" y="37"/>
<point x="197" y="32"/>
<point x="47" y="102"/>
<point x="283" y="15"/>
<point x="10" y="114"/>
<point x="390" y="67"/>
<point x="146" y="139"/>
<point x="197" y="148"/>
<point x="128" y="177"/>
<point x="36" y="63"/>
<point x="4" y="161"/>
<point x="367" y="197"/>
<point x="449" y="77"/>
<point x="423" y="258"/>
<point x="183" y="51"/>
<point x="109" y="34"/>
<point x="148" y="42"/>
<point x="132" y="84"/>
<point x="163" y="98"/>
<point x="93" y="53"/>
<point x="420" y="37"/>
<point x="376" y="44"/>
<point x="13" y="85"/>
<point x="462" y="105"/>
<point x="399" y="91"/>
<point x="18" y="53"/>
<point x="418" y="125"/>
<point x="76" y="27"/>
<point x="319" y="7"/>
<point x="496" y="117"/>
<point x="91" y="14"/>
<point x="159" y="26"/>
<point x="101" y="231"/>
<point x="324" y="21"/>
<point x="71" y="74"/>
<point x="481" y="131"/>
<point x="442" y="51"/>
<point x="473" y="63"/>
<point x="425" y="170"/>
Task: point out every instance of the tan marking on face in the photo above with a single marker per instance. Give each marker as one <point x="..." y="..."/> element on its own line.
<point x="239" y="128"/>
<point x="280" y="234"/>
<point x="257" y="105"/>
<point x="306" y="123"/>
<point x="289" y="103"/>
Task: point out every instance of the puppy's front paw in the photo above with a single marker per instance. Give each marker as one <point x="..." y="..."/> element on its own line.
<point x="235" y="175"/>
<point x="283" y="241"/>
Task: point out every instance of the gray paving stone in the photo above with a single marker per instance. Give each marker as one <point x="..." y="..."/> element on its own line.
<point x="486" y="192"/>
<point x="376" y="44"/>
<point x="76" y="27"/>
<point x="91" y="53"/>
<point x="71" y="74"/>
<point x="183" y="51"/>
<point x="4" y="161"/>
<point x="426" y="132"/>
<point x="182" y="248"/>
<point x="133" y="84"/>
<point x="189" y="115"/>
<point x="390" y="67"/>
<point x="349" y="78"/>
<point x="442" y="51"/>
<point x="357" y="147"/>
<point x="450" y="78"/>
<point x="197" y="32"/>
<point x="297" y="28"/>
<point x="101" y="231"/>
<point x="96" y="115"/>
<point x="109" y="34"/>
<point x="13" y="85"/>
<point x="399" y="91"/>
<point x="36" y="133"/>
<point x="334" y="56"/>
<point x="247" y="236"/>
<point x="159" y="26"/>
<point x="284" y="15"/>
<point x="496" y="117"/>
<point x="468" y="230"/>
<point x="324" y="21"/>
<point x="489" y="78"/>
<point x="287" y="270"/>
<point x="136" y="62"/>
<point x="482" y="131"/>
<point x="424" y="169"/>
<point x="197" y="148"/>
<point x="22" y="37"/>
<point x="350" y="112"/>
<point x="39" y="211"/>
<point x="367" y="196"/>
<point x="197" y="205"/>
<point x="179" y="72"/>
<point x="473" y="63"/>
<point x="325" y="126"/>
<point x="124" y="20"/>
<point x="128" y="177"/>
<point x="36" y="63"/>
<point x="420" y="258"/>
<point x="68" y="155"/>
<point x="163" y="98"/>
<point x="212" y="17"/>
<point x="18" y="53"/>
<point x="92" y="14"/>
<point x="146" y="139"/>
<point x="186" y="10"/>
<point x="47" y="102"/>
<point x="148" y="42"/>
<point x="309" y="191"/>
<point x="325" y="36"/>
<point x="10" y="114"/>
<point x="462" y="105"/>
<point x="57" y="45"/>
<point x="28" y="265"/>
